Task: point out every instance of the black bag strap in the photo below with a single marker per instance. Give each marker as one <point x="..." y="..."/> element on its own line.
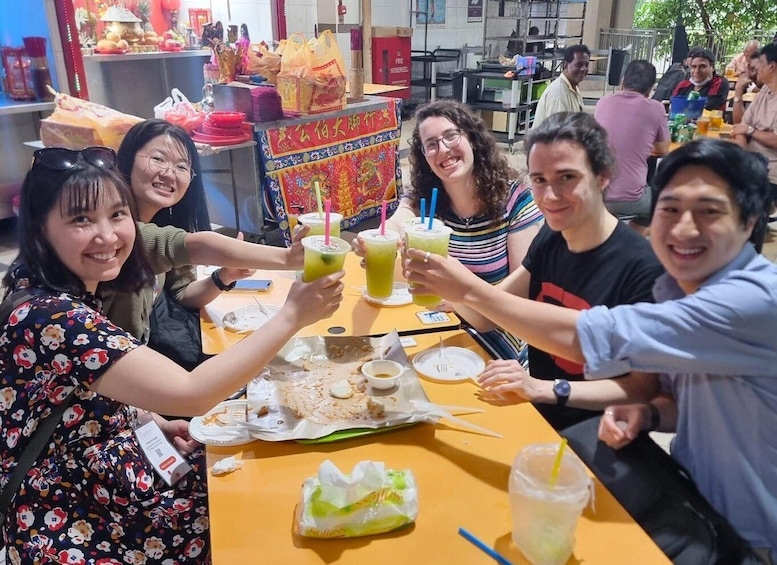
<point x="45" y="428"/>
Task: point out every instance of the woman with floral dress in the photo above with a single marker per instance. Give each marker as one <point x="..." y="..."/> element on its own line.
<point x="94" y="495"/>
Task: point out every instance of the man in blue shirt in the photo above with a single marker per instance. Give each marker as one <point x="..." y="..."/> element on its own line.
<point x="712" y="335"/>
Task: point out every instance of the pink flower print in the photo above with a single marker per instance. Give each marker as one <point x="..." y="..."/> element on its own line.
<point x="7" y="397"/>
<point x="177" y="540"/>
<point x="120" y="500"/>
<point x="94" y="358"/>
<point x="90" y="428"/>
<point x="81" y="339"/>
<point x="154" y="548"/>
<point x="73" y="415"/>
<point x="62" y="364"/>
<point x="72" y="555"/>
<point x="24" y="356"/>
<point x="105" y="546"/>
<point x="182" y="504"/>
<point x="18" y="415"/>
<point x="55" y="519"/>
<point x="60" y="393"/>
<point x="100" y="494"/>
<point x="200" y="525"/>
<point x="52" y="336"/>
<point x="29" y="337"/>
<point x="13" y="436"/>
<point x="24" y="518"/>
<point x="19" y="314"/>
<point x="134" y="557"/>
<point x="194" y="548"/>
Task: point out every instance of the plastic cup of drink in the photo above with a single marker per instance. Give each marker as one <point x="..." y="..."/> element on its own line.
<point x="417" y="221"/>
<point x="322" y="259"/>
<point x="317" y="223"/>
<point x="716" y="119"/>
<point x="702" y="126"/>
<point x="545" y="514"/>
<point x="380" y="259"/>
<point x="434" y="240"/>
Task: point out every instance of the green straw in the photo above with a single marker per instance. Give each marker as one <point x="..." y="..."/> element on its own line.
<point x="557" y="462"/>
<point x="318" y="200"/>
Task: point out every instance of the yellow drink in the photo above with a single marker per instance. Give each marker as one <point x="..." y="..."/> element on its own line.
<point x="381" y="255"/>
<point x="321" y="259"/>
<point x="317" y="223"/>
<point x="702" y="126"/>
<point x="435" y="241"/>
<point x="716" y="119"/>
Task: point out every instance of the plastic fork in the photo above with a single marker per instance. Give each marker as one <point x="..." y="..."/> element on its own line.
<point x="442" y="365"/>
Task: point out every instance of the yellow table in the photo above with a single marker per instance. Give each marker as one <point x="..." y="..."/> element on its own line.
<point x="462" y="480"/>
<point x="355" y="317"/>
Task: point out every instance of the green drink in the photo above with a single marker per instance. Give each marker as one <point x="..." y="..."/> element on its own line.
<point x="317" y="223"/>
<point x="381" y="255"/>
<point x="322" y="259"/>
<point x="435" y="241"/>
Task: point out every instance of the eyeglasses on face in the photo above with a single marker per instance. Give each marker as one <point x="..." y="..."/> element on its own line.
<point x="449" y="139"/>
<point x="160" y="165"/>
<point x="62" y="159"/>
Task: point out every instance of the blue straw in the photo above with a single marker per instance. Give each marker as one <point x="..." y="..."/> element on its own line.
<point x="432" y="207"/>
<point x="483" y="547"/>
<point x="423" y="211"/>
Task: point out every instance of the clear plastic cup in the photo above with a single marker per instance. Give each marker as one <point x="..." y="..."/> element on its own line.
<point x="317" y="223"/>
<point x="322" y="259"/>
<point x="545" y="515"/>
<point x="380" y="259"/>
<point x="435" y="241"/>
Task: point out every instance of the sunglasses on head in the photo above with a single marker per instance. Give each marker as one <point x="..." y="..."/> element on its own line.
<point x="62" y="159"/>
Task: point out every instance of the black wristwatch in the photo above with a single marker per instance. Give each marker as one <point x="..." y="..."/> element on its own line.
<point x="214" y="276"/>
<point x="561" y="389"/>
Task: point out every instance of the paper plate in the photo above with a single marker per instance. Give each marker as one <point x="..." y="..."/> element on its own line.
<point x="209" y="430"/>
<point x="249" y="318"/>
<point x="463" y="363"/>
<point x="400" y="296"/>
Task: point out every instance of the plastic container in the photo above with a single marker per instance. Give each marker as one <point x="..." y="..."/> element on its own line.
<point x="545" y="515"/>
<point x="692" y="109"/>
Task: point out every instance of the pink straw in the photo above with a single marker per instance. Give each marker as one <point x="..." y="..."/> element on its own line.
<point x="383" y="218"/>
<point x="327" y="213"/>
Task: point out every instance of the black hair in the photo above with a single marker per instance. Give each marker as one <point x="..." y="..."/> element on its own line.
<point x="569" y="53"/>
<point x="191" y="213"/>
<point x="744" y="171"/>
<point x="770" y="52"/>
<point x="534" y="30"/>
<point x="81" y="188"/>
<point x="704" y="54"/>
<point x="639" y="76"/>
<point x="755" y="54"/>
<point x="580" y="128"/>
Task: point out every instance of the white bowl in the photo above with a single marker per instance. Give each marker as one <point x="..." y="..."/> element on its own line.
<point x="382" y="374"/>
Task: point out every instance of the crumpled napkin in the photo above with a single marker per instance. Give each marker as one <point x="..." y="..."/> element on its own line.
<point x="339" y="489"/>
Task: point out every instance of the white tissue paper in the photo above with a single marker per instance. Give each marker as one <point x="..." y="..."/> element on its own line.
<point x="225" y="466"/>
<point x="370" y="500"/>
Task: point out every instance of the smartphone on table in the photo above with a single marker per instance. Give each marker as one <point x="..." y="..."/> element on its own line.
<point x="254" y="285"/>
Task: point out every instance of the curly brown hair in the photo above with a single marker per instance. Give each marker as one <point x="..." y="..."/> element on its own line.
<point x="491" y="171"/>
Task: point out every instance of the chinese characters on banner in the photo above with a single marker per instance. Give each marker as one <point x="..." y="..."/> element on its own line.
<point x="354" y="158"/>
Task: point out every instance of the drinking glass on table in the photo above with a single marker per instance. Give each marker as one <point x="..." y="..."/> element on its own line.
<point x="702" y="126"/>
<point x="716" y="119"/>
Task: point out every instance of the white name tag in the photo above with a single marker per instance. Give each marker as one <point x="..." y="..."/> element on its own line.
<point x="169" y="464"/>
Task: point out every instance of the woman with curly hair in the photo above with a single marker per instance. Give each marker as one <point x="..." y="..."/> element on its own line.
<point x="492" y="214"/>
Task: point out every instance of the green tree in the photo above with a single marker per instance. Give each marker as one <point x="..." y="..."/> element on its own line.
<point x="721" y="25"/>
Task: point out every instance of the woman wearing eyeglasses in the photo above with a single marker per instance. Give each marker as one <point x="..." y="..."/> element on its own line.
<point x="93" y="495"/>
<point x="160" y="162"/>
<point x="492" y="214"/>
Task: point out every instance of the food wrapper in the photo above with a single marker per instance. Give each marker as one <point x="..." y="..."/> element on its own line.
<point x="73" y="119"/>
<point x="371" y="500"/>
<point x="292" y="399"/>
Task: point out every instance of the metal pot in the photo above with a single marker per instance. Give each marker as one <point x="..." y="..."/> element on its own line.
<point x="132" y="32"/>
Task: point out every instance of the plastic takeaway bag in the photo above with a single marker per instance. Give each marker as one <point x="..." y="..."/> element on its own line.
<point x="177" y="110"/>
<point x="371" y="500"/>
<point x="264" y="62"/>
<point x="312" y="77"/>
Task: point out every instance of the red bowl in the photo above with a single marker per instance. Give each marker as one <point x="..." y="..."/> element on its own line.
<point x="210" y="129"/>
<point x="226" y="119"/>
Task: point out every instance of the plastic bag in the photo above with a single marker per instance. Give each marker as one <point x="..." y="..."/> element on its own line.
<point x="177" y="110"/>
<point x="371" y="500"/>
<point x="265" y="62"/>
<point x="312" y="79"/>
